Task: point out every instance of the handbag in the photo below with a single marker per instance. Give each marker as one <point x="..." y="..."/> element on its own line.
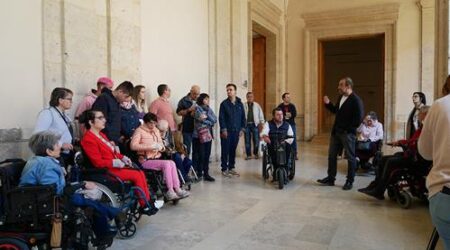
<point x="204" y="135"/>
<point x="55" y="237"/>
<point x="363" y="145"/>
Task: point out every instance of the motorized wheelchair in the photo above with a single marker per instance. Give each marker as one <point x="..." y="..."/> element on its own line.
<point x="407" y="182"/>
<point x="26" y="215"/>
<point x="365" y="155"/>
<point x="278" y="160"/>
<point x="115" y="191"/>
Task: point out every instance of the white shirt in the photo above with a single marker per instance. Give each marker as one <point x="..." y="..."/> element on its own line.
<point x="343" y="99"/>
<point x="434" y="144"/>
<point x="374" y="132"/>
<point x="266" y="130"/>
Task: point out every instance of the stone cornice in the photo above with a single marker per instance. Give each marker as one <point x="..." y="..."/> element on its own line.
<point x="386" y="13"/>
<point x="266" y="8"/>
<point x="425" y="4"/>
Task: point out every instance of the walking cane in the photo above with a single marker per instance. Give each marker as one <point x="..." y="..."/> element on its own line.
<point x="433" y="240"/>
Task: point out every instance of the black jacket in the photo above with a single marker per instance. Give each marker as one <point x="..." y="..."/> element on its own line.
<point x="108" y="104"/>
<point x="289" y="108"/>
<point x="349" y="116"/>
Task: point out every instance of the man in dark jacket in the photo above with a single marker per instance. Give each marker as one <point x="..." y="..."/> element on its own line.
<point x="109" y="103"/>
<point x="232" y="126"/>
<point x="349" y="114"/>
<point x="186" y="109"/>
<point x="289" y="114"/>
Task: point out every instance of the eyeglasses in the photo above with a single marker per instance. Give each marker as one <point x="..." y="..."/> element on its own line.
<point x="68" y="99"/>
<point x="100" y="117"/>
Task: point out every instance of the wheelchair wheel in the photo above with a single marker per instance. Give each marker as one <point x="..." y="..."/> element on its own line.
<point x="391" y="193"/>
<point x="264" y="167"/>
<point x="108" y="196"/>
<point x="404" y="199"/>
<point x="12" y="244"/>
<point x="128" y="230"/>
<point x="292" y="169"/>
<point x="281" y="178"/>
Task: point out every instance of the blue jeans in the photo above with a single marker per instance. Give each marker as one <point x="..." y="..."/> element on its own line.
<point x="439" y="210"/>
<point x="184" y="165"/>
<point x="187" y="140"/>
<point x="251" y="132"/>
<point x="103" y="213"/>
<point x="337" y="141"/>
<point x="228" y="150"/>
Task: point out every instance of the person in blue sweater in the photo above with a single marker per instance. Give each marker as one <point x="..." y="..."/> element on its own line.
<point x="232" y="126"/>
<point x="44" y="169"/>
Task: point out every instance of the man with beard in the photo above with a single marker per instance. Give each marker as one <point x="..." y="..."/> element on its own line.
<point x="349" y="114"/>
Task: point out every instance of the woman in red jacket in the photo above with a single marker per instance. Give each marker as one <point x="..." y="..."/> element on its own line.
<point x="103" y="153"/>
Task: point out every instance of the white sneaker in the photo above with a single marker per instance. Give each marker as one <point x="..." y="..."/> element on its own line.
<point x="159" y="204"/>
<point x="183" y="193"/>
<point x="171" y="195"/>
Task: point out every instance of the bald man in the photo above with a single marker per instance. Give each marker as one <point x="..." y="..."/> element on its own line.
<point x="186" y="109"/>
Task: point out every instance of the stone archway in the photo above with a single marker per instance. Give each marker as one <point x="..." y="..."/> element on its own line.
<point x="371" y="20"/>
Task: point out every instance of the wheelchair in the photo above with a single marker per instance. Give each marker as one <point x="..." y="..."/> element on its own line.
<point x="364" y="156"/>
<point x="115" y="192"/>
<point x="407" y="182"/>
<point x="26" y="215"/>
<point x="280" y="165"/>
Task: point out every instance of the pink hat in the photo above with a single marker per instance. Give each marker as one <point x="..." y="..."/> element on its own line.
<point x="107" y="81"/>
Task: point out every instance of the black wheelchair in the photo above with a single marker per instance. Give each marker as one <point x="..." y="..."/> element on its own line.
<point x="26" y="215"/>
<point x="407" y="182"/>
<point x="278" y="161"/>
<point x="115" y="192"/>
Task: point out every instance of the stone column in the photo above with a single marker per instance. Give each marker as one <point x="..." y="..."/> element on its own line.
<point x="442" y="45"/>
<point x="427" y="8"/>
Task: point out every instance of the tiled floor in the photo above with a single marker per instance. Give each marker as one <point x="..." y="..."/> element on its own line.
<point x="246" y="213"/>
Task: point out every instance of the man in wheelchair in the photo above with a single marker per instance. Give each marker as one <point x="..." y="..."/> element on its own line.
<point x="45" y="169"/>
<point x="278" y="135"/>
<point x="408" y="159"/>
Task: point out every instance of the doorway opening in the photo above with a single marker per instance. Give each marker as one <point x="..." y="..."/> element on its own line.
<point x="259" y="68"/>
<point x="360" y="58"/>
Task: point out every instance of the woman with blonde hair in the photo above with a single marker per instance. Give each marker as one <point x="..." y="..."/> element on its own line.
<point x="139" y="100"/>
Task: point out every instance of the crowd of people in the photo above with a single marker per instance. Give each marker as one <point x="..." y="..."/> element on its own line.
<point x="117" y="128"/>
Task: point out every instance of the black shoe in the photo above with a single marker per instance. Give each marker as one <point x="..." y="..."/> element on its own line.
<point x="148" y="211"/>
<point x="327" y="181"/>
<point x="209" y="178"/>
<point x="348" y="185"/>
<point x="120" y="219"/>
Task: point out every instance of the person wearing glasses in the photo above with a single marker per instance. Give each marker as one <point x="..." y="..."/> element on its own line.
<point x="102" y="153"/>
<point x="109" y="104"/>
<point x="55" y="119"/>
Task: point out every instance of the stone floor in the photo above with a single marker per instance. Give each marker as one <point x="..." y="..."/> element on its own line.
<point x="247" y="213"/>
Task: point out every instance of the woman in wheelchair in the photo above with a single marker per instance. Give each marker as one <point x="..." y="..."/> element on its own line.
<point x="410" y="158"/>
<point x="274" y="130"/>
<point x="45" y="169"/>
<point x="370" y="134"/>
<point x="182" y="162"/>
<point x="104" y="154"/>
<point x="147" y="141"/>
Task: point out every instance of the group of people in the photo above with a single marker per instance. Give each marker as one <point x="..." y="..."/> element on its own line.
<point x="425" y="148"/>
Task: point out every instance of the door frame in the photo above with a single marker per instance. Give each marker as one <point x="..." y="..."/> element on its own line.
<point x="321" y="72"/>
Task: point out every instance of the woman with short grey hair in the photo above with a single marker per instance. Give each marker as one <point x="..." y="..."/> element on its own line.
<point x="56" y="120"/>
<point x="45" y="169"/>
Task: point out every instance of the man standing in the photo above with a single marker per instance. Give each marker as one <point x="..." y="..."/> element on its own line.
<point x="109" y="103"/>
<point x="186" y="109"/>
<point x="255" y="120"/>
<point x="161" y="106"/>
<point x="434" y="144"/>
<point x="89" y="99"/>
<point x="289" y="113"/>
<point x="349" y="114"/>
<point x="232" y="126"/>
